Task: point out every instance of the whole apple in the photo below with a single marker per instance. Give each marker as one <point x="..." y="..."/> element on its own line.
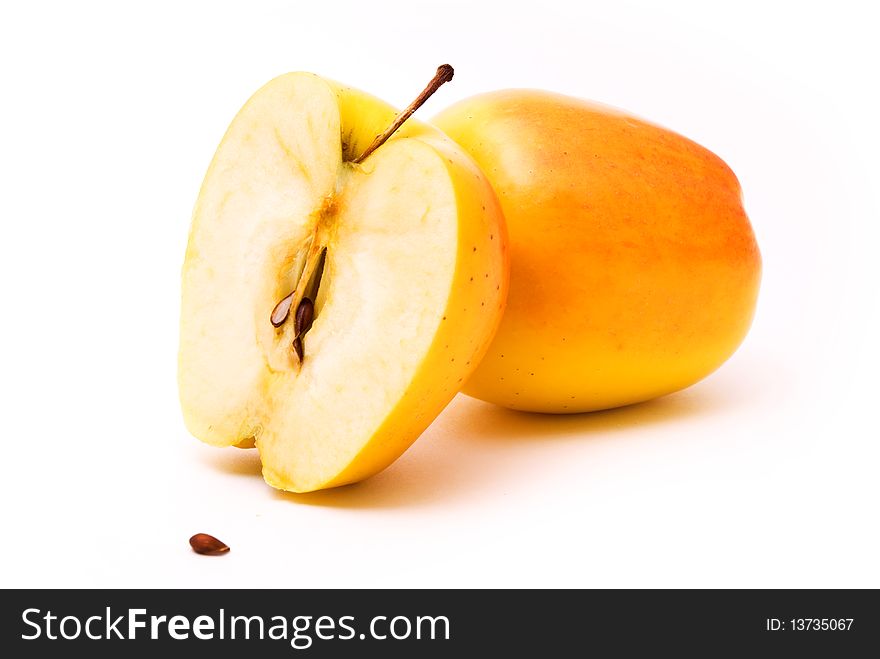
<point x="634" y="269"/>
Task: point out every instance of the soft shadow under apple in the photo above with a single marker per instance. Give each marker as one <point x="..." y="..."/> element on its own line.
<point x="475" y="446"/>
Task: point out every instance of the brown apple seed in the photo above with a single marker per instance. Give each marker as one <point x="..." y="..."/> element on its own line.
<point x="208" y="545"/>
<point x="305" y="314"/>
<point x="281" y="311"/>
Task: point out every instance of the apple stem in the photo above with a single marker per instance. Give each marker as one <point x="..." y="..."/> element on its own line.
<point x="444" y="74"/>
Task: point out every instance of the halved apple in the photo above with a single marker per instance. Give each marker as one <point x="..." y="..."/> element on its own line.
<point x="386" y="277"/>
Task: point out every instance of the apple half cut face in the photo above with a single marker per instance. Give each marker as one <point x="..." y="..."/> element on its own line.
<point x="332" y="309"/>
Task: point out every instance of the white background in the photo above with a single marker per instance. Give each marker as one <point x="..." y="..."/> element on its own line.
<point x="766" y="474"/>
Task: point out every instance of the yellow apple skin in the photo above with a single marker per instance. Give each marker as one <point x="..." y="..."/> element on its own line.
<point x="634" y="269"/>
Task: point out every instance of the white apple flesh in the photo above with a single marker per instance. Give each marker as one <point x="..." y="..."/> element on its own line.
<point x="412" y="290"/>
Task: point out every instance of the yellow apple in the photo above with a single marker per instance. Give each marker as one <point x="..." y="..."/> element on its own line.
<point x="634" y="269"/>
<point x="333" y="304"/>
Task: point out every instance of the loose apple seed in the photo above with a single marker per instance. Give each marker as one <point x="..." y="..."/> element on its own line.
<point x="208" y="545"/>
